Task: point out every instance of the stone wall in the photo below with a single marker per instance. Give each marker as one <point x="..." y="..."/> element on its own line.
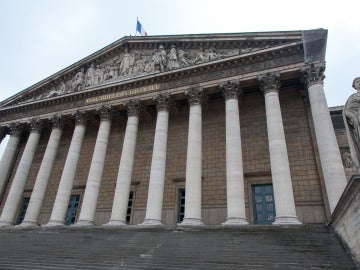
<point x="345" y="219"/>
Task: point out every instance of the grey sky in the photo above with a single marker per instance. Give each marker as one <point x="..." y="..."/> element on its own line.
<point x="41" y="37"/>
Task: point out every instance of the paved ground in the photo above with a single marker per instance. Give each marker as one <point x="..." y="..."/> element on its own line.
<point x="253" y="247"/>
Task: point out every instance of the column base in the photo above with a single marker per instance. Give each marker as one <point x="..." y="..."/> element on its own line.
<point x="84" y="223"/>
<point x="235" y="221"/>
<point x="55" y="223"/>
<point x="286" y="220"/>
<point x="115" y="223"/>
<point x="29" y="224"/>
<point x="151" y="222"/>
<point x="6" y="224"/>
<point x="191" y="222"/>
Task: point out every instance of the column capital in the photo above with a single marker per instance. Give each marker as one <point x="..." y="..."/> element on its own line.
<point x="15" y="129"/>
<point x="269" y="82"/>
<point x="35" y="125"/>
<point x="230" y="89"/>
<point x="80" y="117"/>
<point x="132" y="107"/>
<point x="162" y="101"/>
<point x="195" y="96"/>
<point x="105" y="112"/>
<point x="314" y="74"/>
<point x="57" y="121"/>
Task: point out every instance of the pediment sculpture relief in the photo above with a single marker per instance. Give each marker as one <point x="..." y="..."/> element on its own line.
<point x="135" y="63"/>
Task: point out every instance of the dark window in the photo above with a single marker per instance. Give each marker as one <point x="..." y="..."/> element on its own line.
<point x="72" y="208"/>
<point x="181" y="205"/>
<point x="23" y="210"/>
<point x="130" y="203"/>
<point x="338" y="121"/>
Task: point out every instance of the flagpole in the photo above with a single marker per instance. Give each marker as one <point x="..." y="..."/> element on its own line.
<point x="137" y="19"/>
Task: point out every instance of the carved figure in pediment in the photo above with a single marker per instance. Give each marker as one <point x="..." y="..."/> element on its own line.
<point x="184" y="60"/>
<point x="113" y="70"/>
<point x="159" y="59"/>
<point x="90" y="77"/>
<point x="139" y="66"/>
<point x="173" y="58"/>
<point x="211" y="54"/>
<point x="99" y="74"/>
<point x="61" y="88"/>
<point x="352" y="115"/>
<point x="126" y="61"/>
<point x="77" y="82"/>
<point x="200" y="57"/>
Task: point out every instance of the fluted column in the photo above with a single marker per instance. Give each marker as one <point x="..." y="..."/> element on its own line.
<point x="8" y="157"/>
<point x="193" y="160"/>
<point x="17" y="187"/>
<point x="279" y="161"/>
<point x="67" y="178"/>
<point x="123" y="182"/>
<point x="236" y="213"/>
<point x="87" y="213"/>
<point x="330" y="157"/>
<point x="37" y="196"/>
<point x="158" y="163"/>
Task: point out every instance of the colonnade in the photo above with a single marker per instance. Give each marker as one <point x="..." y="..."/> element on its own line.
<point x="236" y="215"/>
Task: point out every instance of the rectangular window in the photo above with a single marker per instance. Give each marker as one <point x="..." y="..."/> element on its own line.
<point x="72" y="209"/>
<point x="23" y="209"/>
<point x="130" y="203"/>
<point x="181" y="205"/>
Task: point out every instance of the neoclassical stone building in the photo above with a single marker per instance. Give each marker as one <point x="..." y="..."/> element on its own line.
<point x="226" y="129"/>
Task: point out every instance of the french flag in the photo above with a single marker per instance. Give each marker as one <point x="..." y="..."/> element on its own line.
<point x="140" y="28"/>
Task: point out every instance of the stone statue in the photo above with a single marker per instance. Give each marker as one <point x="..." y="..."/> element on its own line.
<point x="90" y="78"/>
<point x="184" y="61"/>
<point x="352" y="116"/>
<point x="159" y="59"/>
<point x="126" y="62"/>
<point x="173" y="58"/>
<point x="78" y="81"/>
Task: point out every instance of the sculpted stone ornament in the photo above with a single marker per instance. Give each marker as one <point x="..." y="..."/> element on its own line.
<point x="132" y="107"/>
<point x="195" y="95"/>
<point x="80" y="117"/>
<point x="35" y="125"/>
<point x="78" y="81"/>
<point x="352" y="123"/>
<point x="105" y="112"/>
<point x="314" y="74"/>
<point x="269" y="82"/>
<point x="162" y="102"/>
<point x="15" y="129"/>
<point x="3" y="133"/>
<point x="57" y="121"/>
<point x="230" y="89"/>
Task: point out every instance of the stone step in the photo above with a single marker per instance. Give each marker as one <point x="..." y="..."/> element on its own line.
<point x="251" y="247"/>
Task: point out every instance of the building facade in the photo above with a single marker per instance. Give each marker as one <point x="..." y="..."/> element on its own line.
<point x="229" y="129"/>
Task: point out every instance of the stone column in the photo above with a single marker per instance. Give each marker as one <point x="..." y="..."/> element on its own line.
<point x="236" y="214"/>
<point x="8" y="157"/>
<point x="279" y="161"/>
<point x="158" y="163"/>
<point x="123" y="182"/>
<point x="17" y="187"/>
<point x="193" y="160"/>
<point x="61" y="203"/>
<point x="87" y="213"/>
<point x="37" y="196"/>
<point x="330" y="157"/>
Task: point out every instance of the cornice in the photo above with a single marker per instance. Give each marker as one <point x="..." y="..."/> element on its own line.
<point x="273" y="57"/>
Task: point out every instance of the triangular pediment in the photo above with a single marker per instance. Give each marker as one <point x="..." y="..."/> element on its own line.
<point x="135" y="57"/>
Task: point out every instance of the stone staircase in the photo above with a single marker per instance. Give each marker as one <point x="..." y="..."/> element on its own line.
<point x="251" y="247"/>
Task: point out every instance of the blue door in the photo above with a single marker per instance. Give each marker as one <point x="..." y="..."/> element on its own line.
<point x="72" y="208"/>
<point x="263" y="204"/>
<point x="23" y="210"/>
<point x="181" y="205"/>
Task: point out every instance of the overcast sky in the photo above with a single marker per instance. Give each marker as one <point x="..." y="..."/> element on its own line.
<point x="41" y="37"/>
